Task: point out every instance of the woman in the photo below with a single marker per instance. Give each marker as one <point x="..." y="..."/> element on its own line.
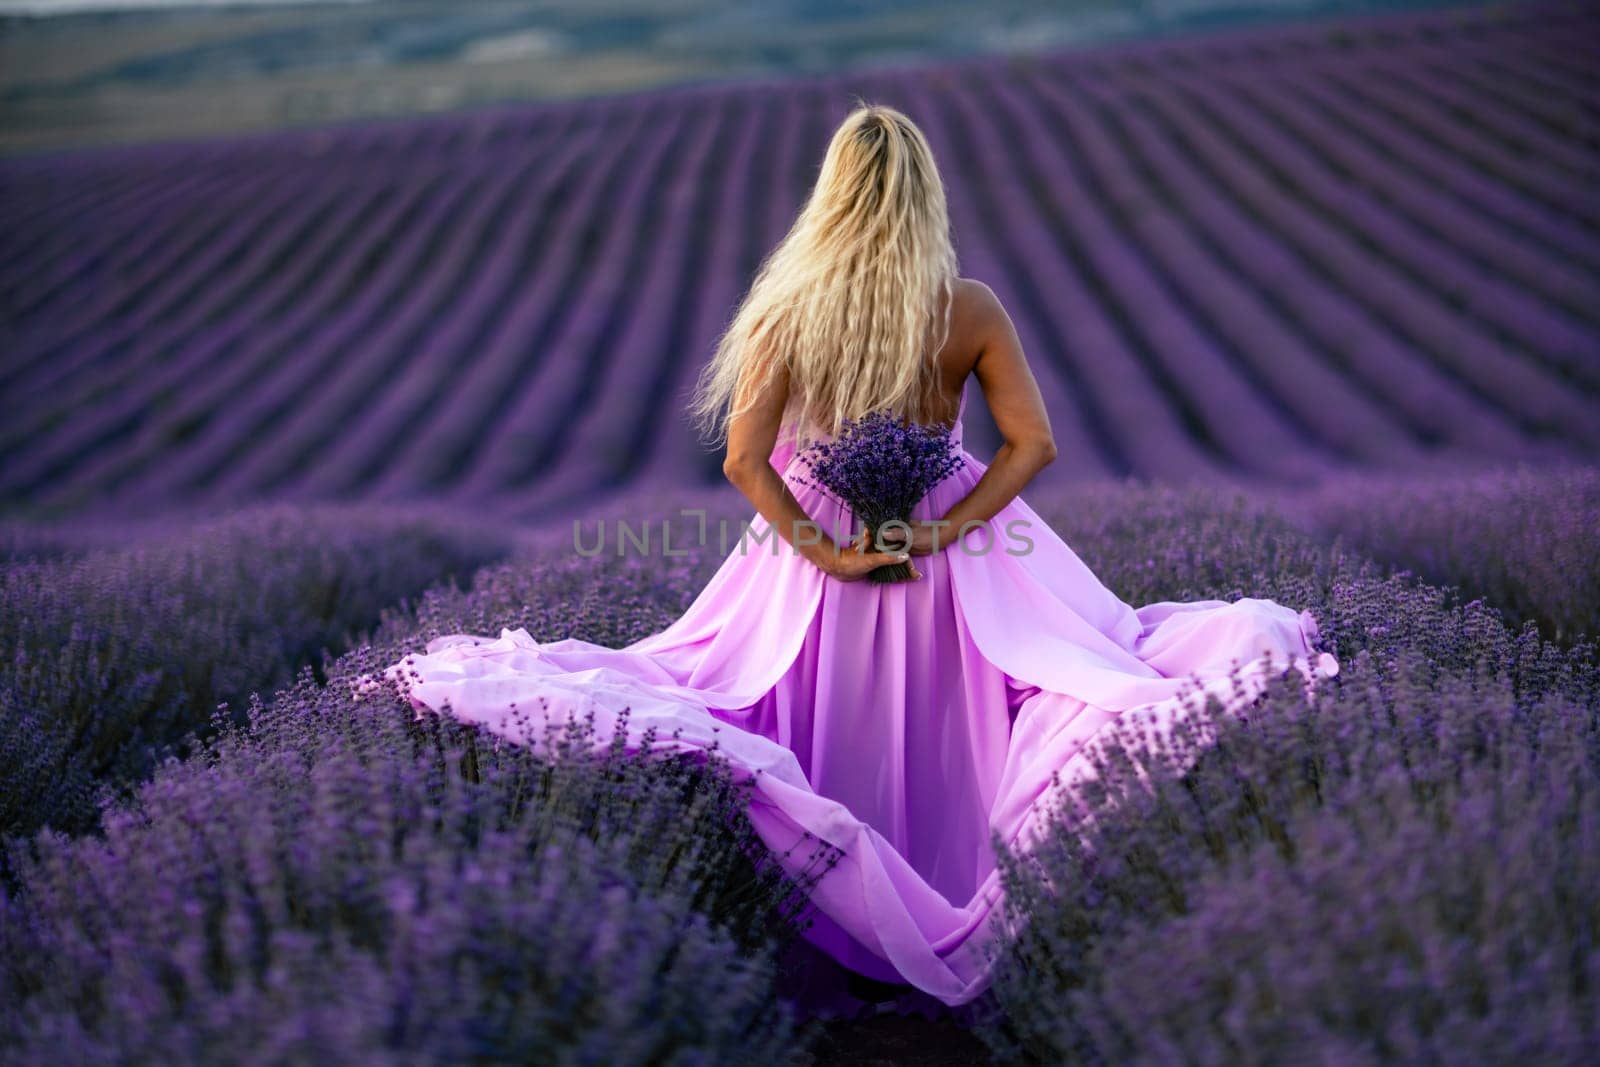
<point x="899" y="722"/>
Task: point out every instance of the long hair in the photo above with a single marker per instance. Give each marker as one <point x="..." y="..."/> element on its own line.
<point x="855" y="300"/>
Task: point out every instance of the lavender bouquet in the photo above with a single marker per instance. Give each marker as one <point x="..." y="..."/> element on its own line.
<point x="881" y="467"/>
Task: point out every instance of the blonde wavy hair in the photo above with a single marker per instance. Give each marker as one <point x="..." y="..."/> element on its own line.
<point x="855" y="300"/>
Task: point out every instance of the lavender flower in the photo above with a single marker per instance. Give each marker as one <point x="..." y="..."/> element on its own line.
<point x="881" y="467"/>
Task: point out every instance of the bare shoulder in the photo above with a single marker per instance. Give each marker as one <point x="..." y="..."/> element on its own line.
<point x="978" y="317"/>
<point x="974" y="301"/>
<point x="975" y="294"/>
<point x="977" y="312"/>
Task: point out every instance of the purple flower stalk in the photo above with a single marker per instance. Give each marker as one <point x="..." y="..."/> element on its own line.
<point x="881" y="467"/>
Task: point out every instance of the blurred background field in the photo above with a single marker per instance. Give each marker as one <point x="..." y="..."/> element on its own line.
<point x="1257" y="256"/>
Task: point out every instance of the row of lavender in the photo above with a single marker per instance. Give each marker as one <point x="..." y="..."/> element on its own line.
<point x="343" y="880"/>
<point x="123" y="643"/>
<point x="1268" y="256"/>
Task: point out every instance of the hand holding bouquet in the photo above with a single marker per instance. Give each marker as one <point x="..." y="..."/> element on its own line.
<point x="881" y="468"/>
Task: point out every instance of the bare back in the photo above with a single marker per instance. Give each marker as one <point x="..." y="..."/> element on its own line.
<point x="982" y="343"/>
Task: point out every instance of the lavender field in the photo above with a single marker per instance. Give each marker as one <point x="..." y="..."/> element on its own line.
<point x="1405" y="871"/>
<point x="1257" y="258"/>
<point x="1316" y="312"/>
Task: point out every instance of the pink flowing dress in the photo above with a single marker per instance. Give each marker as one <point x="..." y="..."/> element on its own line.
<point x="898" y="723"/>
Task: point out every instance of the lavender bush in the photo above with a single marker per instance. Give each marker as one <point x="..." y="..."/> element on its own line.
<point x="1398" y="872"/>
<point x="1402" y="873"/>
<point x="344" y="881"/>
<point x="1152" y="542"/>
<point x="22" y="540"/>
<point x="611" y="597"/>
<point x="114" y="657"/>
<point x="1526" y="538"/>
<point x="881" y="468"/>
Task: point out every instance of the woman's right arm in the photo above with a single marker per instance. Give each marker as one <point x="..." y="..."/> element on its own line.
<point x="1019" y="414"/>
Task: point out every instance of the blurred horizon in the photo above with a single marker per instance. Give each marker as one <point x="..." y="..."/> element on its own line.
<point x="81" y="73"/>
